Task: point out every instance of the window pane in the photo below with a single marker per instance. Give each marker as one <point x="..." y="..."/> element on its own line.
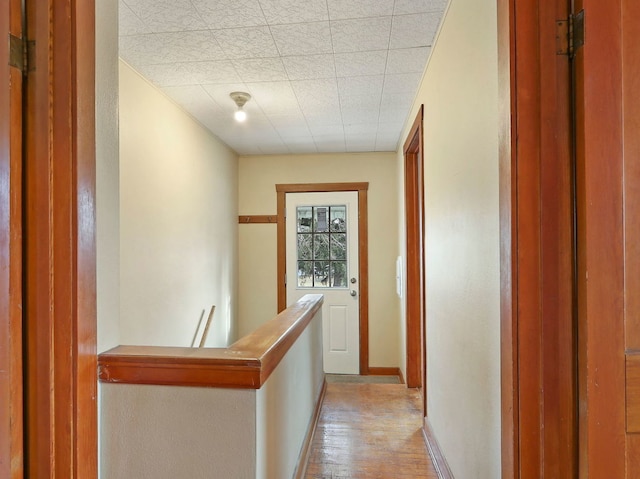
<point x="305" y="217"/>
<point x="321" y="274"/>
<point x="305" y="246"/>
<point x="339" y="218"/>
<point x="339" y="246"/>
<point x="321" y="219"/>
<point x="321" y="247"/>
<point x="305" y="274"/>
<point x="339" y="274"/>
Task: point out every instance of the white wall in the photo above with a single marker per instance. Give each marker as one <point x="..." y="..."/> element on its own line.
<point x="459" y="91"/>
<point x="178" y="222"/>
<point x="258" y="176"/>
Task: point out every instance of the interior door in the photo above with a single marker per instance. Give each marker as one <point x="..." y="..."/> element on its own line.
<point x="11" y="430"/>
<point x="608" y="194"/>
<point x="322" y="257"/>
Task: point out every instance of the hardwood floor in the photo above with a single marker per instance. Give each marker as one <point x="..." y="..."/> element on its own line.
<point x="369" y="431"/>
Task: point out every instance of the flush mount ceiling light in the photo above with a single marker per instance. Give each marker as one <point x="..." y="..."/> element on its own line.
<point x="240" y="98"/>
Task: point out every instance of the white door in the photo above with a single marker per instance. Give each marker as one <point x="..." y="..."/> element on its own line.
<point x="322" y="257"/>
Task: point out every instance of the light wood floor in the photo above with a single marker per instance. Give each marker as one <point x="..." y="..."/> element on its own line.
<point x="368" y="431"/>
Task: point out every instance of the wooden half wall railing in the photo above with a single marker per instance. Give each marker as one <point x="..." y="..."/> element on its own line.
<point x="247" y="363"/>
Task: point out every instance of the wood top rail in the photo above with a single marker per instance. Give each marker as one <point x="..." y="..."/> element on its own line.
<point x="245" y="364"/>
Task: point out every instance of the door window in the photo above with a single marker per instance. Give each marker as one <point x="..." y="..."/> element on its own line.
<point x="322" y="246"/>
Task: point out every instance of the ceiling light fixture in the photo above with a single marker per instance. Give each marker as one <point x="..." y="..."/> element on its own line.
<point x="240" y="98"/>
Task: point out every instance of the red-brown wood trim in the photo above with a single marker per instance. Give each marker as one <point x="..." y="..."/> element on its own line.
<point x="363" y="251"/>
<point x="305" y="451"/>
<point x="601" y="262"/>
<point x="436" y="454"/>
<point x="538" y="375"/>
<point x="633" y="393"/>
<point x="363" y="277"/>
<point x="282" y="251"/>
<point x="321" y="187"/>
<point x="59" y="306"/>
<point x="247" y="363"/>
<point x="510" y="408"/>
<point x="253" y="219"/>
<point x="385" y="371"/>
<point x="415" y="283"/>
<point x="11" y="428"/>
<point x="85" y="321"/>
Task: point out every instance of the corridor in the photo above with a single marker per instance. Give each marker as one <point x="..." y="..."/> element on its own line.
<point x="368" y="431"/>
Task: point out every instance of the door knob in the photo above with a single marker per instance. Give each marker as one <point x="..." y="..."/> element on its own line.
<point x="353" y="292"/>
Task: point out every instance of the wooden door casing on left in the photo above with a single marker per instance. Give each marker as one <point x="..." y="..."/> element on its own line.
<point x="60" y="361"/>
<point x="538" y="353"/>
<point x="11" y="430"/>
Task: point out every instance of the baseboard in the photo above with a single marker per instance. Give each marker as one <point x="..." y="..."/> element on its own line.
<point x="303" y="459"/>
<point x="439" y="461"/>
<point x="386" y="372"/>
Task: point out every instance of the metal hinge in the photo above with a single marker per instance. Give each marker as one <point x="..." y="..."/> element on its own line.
<point x="21" y="54"/>
<point x="570" y="34"/>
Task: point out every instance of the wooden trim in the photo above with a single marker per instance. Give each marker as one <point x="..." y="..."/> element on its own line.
<point x="282" y="251"/>
<point x="378" y="371"/>
<point x="633" y="393"/>
<point x="363" y="277"/>
<point x="538" y="354"/>
<point x="60" y="304"/>
<point x="271" y="219"/>
<point x="321" y="187"/>
<point x="247" y="363"/>
<point x="363" y="252"/>
<point x="600" y="114"/>
<point x="510" y="434"/>
<point x="415" y="280"/>
<point x="384" y="371"/>
<point x="11" y="164"/>
<point x="305" y="451"/>
<point x="436" y="454"/>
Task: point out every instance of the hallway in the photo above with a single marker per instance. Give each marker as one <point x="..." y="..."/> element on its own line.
<point x="369" y="431"/>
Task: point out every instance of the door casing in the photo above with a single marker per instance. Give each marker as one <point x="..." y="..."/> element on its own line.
<point x="11" y="120"/>
<point x="363" y="251"/>
<point x="346" y="361"/>
<point x="415" y="254"/>
<point x="537" y="247"/>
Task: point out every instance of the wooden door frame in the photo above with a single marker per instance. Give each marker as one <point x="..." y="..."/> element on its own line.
<point x="59" y="255"/>
<point x="363" y="251"/>
<point x="11" y="428"/>
<point x="602" y="205"/>
<point x="415" y="268"/>
<point x="537" y="248"/>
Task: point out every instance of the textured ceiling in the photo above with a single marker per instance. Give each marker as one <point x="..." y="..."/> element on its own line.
<point x="324" y="75"/>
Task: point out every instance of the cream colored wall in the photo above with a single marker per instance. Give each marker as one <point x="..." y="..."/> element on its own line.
<point x="284" y="413"/>
<point x="107" y="176"/>
<point x="178" y="222"/>
<point x="459" y="91"/>
<point x="258" y="176"/>
<point x="169" y="432"/>
<point x="107" y="185"/>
